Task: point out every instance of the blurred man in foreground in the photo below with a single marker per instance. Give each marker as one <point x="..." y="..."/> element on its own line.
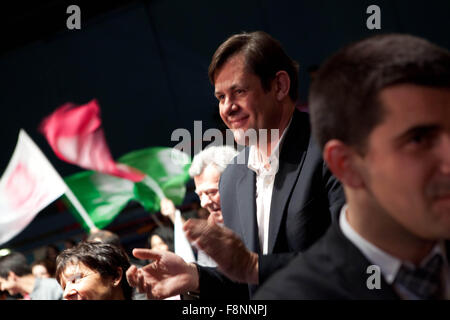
<point x="380" y="109"/>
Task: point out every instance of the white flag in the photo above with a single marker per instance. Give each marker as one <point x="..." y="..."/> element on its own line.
<point x="28" y="185"/>
<point x="181" y="243"/>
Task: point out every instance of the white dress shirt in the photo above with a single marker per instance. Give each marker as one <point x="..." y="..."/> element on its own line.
<point x="265" y="177"/>
<point x="390" y="265"/>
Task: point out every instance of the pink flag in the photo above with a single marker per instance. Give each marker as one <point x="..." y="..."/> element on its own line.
<point x="28" y="185"/>
<point x="76" y="136"/>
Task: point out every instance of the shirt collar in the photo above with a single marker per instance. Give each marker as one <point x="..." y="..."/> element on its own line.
<point x="388" y="264"/>
<point x="255" y="158"/>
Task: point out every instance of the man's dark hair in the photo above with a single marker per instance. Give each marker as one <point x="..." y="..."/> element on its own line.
<point x="264" y="56"/>
<point x="15" y="262"/>
<point x="105" y="236"/>
<point x="344" y="97"/>
<point x="102" y="257"/>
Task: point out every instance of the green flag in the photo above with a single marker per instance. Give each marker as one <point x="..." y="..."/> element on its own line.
<point x="104" y="196"/>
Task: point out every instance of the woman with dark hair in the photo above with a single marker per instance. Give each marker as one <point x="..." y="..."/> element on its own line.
<point x="93" y="271"/>
<point x="44" y="268"/>
<point x="162" y="238"/>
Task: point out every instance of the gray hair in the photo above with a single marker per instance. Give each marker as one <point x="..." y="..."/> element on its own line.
<point x="219" y="156"/>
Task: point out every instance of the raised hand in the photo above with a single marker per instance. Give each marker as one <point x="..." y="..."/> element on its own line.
<point x="225" y="247"/>
<point x="168" y="208"/>
<point x="168" y="275"/>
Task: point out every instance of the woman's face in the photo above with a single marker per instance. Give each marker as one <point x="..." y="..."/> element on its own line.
<point x="40" y="271"/>
<point x="82" y="283"/>
<point x="158" y="244"/>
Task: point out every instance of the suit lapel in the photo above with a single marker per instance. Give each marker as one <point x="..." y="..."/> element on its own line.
<point x="246" y="198"/>
<point x="293" y="152"/>
<point x="353" y="267"/>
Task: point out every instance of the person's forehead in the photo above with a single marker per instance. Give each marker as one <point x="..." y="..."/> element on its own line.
<point x="156" y="238"/>
<point x="74" y="267"/>
<point x="408" y="105"/>
<point x="408" y="93"/>
<point x="233" y="70"/>
<point x="39" y="267"/>
<point x="208" y="178"/>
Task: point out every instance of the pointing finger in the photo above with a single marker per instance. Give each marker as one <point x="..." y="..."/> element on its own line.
<point x="146" y="254"/>
<point x="131" y="275"/>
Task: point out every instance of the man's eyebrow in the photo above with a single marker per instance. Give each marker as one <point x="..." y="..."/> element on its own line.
<point x="233" y="87"/>
<point x="420" y="129"/>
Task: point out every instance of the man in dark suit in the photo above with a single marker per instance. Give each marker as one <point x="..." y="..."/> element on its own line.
<point x="305" y="196"/>
<point x="277" y="198"/>
<point x="380" y="110"/>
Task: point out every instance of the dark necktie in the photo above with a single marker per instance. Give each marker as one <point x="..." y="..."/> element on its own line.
<point x="426" y="281"/>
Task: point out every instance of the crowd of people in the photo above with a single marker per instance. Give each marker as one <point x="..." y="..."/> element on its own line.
<point x="350" y="200"/>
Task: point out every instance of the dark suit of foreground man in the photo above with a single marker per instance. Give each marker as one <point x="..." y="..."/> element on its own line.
<point x="277" y="199"/>
<point x="380" y="110"/>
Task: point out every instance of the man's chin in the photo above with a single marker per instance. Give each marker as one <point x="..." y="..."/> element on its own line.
<point x="245" y="136"/>
<point x="239" y="137"/>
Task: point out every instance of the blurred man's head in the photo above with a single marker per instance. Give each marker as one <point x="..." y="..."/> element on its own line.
<point x="206" y="168"/>
<point x="253" y="79"/>
<point x="380" y="109"/>
<point x="12" y="268"/>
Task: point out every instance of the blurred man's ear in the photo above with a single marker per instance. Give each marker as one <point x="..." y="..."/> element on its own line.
<point x="118" y="278"/>
<point x="342" y="161"/>
<point x="282" y="84"/>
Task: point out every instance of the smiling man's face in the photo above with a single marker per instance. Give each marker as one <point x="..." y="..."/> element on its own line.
<point x="207" y="189"/>
<point x="243" y="103"/>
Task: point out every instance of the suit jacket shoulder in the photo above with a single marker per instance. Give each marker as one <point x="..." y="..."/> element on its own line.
<point x="333" y="268"/>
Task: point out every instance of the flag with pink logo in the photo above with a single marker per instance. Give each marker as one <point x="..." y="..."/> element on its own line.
<point x="76" y="136"/>
<point x="28" y="185"/>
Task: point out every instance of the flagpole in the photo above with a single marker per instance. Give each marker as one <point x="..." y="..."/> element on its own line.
<point x="79" y="207"/>
<point x="156" y="188"/>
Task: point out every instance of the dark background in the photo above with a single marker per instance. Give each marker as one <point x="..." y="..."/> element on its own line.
<point x="146" y="62"/>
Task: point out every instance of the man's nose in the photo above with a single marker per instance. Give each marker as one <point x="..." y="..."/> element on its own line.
<point x="228" y="106"/>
